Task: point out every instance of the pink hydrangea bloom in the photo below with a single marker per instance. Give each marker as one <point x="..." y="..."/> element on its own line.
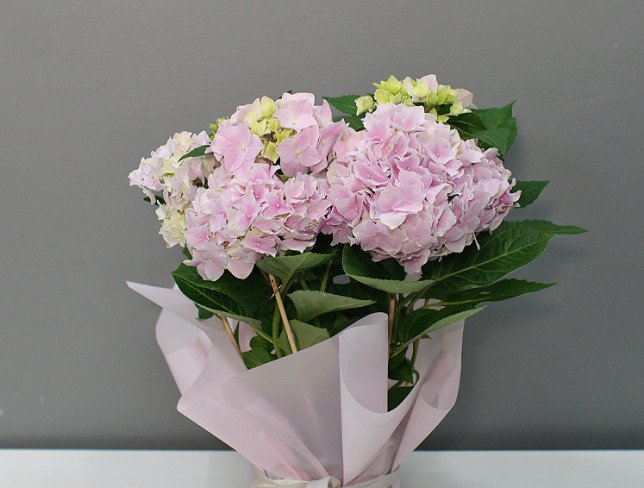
<point x="410" y="188"/>
<point x="235" y="146"/>
<point x="296" y="111"/>
<point x="237" y="219"/>
<point x="248" y="208"/>
<point x="310" y="148"/>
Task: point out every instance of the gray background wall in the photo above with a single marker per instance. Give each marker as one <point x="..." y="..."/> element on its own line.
<point x="88" y="87"/>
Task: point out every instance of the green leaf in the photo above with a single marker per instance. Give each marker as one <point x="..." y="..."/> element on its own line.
<point x="402" y="370"/>
<point x="345" y="104"/>
<point x="355" y="289"/>
<point x="493" y="127"/>
<point x="216" y="302"/>
<point x="501" y="290"/>
<point x="257" y="357"/>
<point x="425" y="320"/>
<point x="511" y="246"/>
<point x="258" y="342"/>
<point x="203" y="314"/>
<point x="310" y="304"/>
<point x="495" y="117"/>
<point x="385" y="275"/>
<point x="500" y="138"/>
<point x="354" y="122"/>
<point x="195" y="153"/>
<point x="395" y="396"/>
<point x="395" y="361"/>
<point x="552" y="228"/>
<point x="306" y="335"/>
<point x="530" y="191"/>
<point x="252" y="293"/>
<point x="285" y="267"/>
<point x="246" y="300"/>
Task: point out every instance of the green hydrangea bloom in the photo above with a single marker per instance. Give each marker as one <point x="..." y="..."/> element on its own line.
<point x="440" y="100"/>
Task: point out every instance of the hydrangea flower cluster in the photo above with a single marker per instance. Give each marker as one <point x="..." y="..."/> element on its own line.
<point x="172" y="183"/>
<point x="252" y="206"/>
<point x="277" y="173"/>
<point x="440" y="100"/>
<point x="292" y="129"/>
<point x="409" y="187"/>
<point x="239" y="218"/>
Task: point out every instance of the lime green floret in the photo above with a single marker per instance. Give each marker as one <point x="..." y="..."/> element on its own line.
<point x="441" y="101"/>
<point x="261" y="122"/>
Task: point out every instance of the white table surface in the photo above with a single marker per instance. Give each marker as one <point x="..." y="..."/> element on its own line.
<point x="218" y="469"/>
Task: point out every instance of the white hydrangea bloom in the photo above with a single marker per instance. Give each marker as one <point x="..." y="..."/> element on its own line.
<point x="172" y="183"/>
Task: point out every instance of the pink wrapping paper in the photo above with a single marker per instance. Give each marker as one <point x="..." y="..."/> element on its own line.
<point x="317" y="413"/>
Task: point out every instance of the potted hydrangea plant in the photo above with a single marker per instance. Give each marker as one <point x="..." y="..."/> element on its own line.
<point x="317" y="318"/>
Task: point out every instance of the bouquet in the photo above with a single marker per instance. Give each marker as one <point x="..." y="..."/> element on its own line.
<point x="330" y="262"/>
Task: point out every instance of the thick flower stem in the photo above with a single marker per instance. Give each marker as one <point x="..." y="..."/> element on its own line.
<point x="390" y="321"/>
<point x="276" y="332"/>
<point x="282" y="310"/>
<point x="230" y="333"/>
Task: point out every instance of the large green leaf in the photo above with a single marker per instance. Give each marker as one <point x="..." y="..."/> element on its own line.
<point x="258" y="342"/>
<point x="345" y="104"/>
<point x="285" y="267"/>
<point x="252" y="293"/>
<point x="501" y="290"/>
<point x="530" y="191"/>
<point x="355" y="289"/>
<point x="552" y="228"/>
<point x="500" y="138"/>
<point x="511" y="246"/>
<point x="495" y="117"/>
<point x="215" y="302"/>
<point x="424" y="320"/>
<point x="246" y="300"/>
<point x="493" y="127"/>
<point x="310" y="304"/>
<point x="352" y="121"/>
<point x="385" y="275"/>
<point x="306" y="335"/>
<point x="257" y="357"/>
<point x="196" y="152"/>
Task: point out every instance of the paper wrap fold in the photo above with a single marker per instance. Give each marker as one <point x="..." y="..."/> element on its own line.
<point x="319" y="413"/>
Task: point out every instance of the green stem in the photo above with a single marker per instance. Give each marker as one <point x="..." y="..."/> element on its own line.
<point x="414" y="352"/>
<point x="325" y="278"/>
<point x="236" y="332"/>
<point x="282" y="312"/>
<point x="284" y="287"/>
<point x="302" y="282"/>
<point x="276" y="332"/>
<point x="412" y="298"/>
<point x="229" y="332"/>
